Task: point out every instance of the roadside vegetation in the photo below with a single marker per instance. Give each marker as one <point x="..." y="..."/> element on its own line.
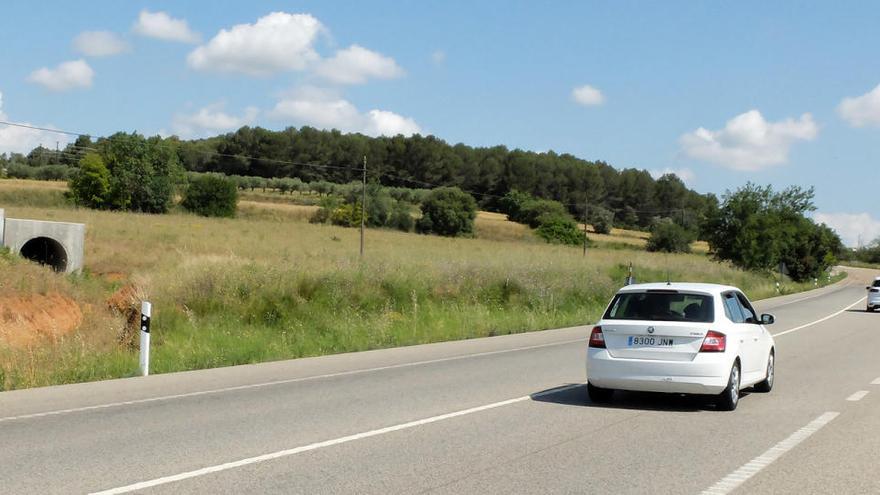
<point x="249" y="289"/>
<point x="247" y="247"/>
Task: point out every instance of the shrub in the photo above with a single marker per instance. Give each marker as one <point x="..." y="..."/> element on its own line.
<point x="602" y="220"/>
<point x="557" y="229"/>
<point x="513" y="203"/>
<point x="668" y="236"/>
<point x="448" y="211"/>
<point x="327" y="206"/>
<point x="91" y="184"/>
<point x="347" y="215"/>
<point x="211" y="195"/>
<point x="401" y="217"/>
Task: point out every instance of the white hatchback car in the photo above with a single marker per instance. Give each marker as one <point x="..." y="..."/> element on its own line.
<point x="874" y="295"/>
<point x="681" y="338"/>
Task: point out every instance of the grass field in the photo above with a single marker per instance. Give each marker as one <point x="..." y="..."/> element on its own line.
<point x="268" y="285"/>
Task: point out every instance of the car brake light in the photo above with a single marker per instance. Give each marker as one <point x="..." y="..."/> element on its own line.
<point x="714" y="342"/>
<point x="597" y="338"/>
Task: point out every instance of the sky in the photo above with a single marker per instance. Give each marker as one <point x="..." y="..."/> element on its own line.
<point x="720" y="93"/>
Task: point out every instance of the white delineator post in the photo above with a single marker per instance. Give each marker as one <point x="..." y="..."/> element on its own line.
<point x="146" y="311"/>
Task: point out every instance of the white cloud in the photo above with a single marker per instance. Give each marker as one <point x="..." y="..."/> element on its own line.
<point x="685" y="174"/>
<point x="324" y="109"/>
<point x="748" y="142"/>
<point x="23" y="140"/>
<point x="209" y="121"/>
<point x="276" y="42"/>
<point x="851" y="226"/>
<point x="68" y="75"/>
<point x="385" y="123"/>
<point x="860" y="111"/>
<point x="587" y="95"/>
<point x="356" y="64"/>
<point x="438" y="57"/>
<point x="99" y="44"/>
<point x="162" y="26"/>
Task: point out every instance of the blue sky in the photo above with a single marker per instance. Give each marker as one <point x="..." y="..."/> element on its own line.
<point x="773" y="92"/>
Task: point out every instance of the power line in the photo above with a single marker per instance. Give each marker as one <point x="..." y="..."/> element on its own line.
<point x="58" y="131"/>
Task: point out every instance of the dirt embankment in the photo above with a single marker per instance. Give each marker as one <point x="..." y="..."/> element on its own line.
<point x="28" y="318"/>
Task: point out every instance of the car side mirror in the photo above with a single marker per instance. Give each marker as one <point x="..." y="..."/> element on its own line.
<point x="767" y="319"/>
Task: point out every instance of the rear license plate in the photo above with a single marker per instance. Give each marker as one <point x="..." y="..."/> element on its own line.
<point x="646" y="341"/>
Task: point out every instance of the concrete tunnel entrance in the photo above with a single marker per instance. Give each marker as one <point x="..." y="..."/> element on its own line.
<point x="46" y="251"/>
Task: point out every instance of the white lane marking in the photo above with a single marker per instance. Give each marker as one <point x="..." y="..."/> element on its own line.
<point x="828" y="293"/>
<point x="857" y="396"/>
<point x="327" y="443"/>
<point x="281" y="382"/>
<point x="820" y="320"/>
<point x="753" y="467"/>
<point x="876" y="381"/>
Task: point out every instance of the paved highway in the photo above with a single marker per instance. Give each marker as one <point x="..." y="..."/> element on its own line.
<point x="499" y="415"/>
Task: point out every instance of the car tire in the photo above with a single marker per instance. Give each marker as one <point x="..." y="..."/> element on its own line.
<point x="729" y="398"/>
<point x="767" y="385"/>
<point x="598" y="394"/>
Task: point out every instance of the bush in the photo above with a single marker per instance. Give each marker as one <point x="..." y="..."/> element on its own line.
<point x="348" y="215"/>
<point x="211" y="195"/>
<point x="91" y="184"/>
<point x="401" y="217"/>
<point x="560" y="230"/>
<point x="602" y="220"/>
<point x="448" y="211"/>
<point x="668" y="236"/>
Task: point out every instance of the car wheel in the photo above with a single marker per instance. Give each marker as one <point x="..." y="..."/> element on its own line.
<point x="729" y="398"/>
<point x="767" y="384"/>
<point x="598" y="394"/>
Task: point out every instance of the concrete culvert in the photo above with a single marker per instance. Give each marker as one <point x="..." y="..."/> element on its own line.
<point x="46" y="251"/>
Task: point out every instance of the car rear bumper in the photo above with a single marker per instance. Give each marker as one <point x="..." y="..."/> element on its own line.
<point x="708" y="373"/>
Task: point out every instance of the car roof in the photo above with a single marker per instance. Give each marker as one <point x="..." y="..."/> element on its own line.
<point x="679" y="286"/>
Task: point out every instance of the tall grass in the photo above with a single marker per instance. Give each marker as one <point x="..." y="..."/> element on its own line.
<point x="251" y="289"/>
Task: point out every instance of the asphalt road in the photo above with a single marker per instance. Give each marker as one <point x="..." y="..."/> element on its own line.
<point x="499" y="415"/>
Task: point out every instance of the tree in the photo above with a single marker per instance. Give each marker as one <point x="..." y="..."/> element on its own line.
<point x="91" y="184"/>
<point x="211" y="195"/>
<point x="143" y="172"/>
<point x="448" y="211"/>
<point x="602" y="220"/>
<point x="669" y="237"/>
<point x="757" y="229"/>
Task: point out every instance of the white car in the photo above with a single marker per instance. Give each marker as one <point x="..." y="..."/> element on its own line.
<point x="874" y="295"/>
<point x="681" y="338"/>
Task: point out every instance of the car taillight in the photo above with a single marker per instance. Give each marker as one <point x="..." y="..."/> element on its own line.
<point x="597" y="338"/>
<point x="714" y="342"/>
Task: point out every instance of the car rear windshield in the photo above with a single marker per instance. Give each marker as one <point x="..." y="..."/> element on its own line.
<point x="661" y="306"/>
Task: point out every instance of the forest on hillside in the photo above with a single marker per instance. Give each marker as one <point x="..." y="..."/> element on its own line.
<point x="634" y="196"/>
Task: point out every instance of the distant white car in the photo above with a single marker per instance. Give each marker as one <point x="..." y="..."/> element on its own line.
<point x="874" y="295"/>
<point x="681" y="338"/>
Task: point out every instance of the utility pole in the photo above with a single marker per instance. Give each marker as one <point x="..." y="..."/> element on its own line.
<point x="363" y="205"/>
<point x="586" y="206"/>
